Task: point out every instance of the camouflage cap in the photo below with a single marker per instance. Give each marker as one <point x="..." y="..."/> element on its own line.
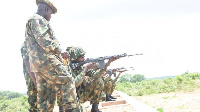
<point x="49" y="3"/>
<point x="68" y="48"/>
<point x="75" y="53"/>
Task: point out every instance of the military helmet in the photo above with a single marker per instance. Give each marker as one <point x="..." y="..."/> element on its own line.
<point x="75" y="53"/>
<point x="50" y="3"/>
<point x="68" y="48"/>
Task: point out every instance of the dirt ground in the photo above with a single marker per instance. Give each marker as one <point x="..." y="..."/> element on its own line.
<point x="174" y="102"/>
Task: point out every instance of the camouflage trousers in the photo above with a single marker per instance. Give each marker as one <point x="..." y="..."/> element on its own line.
<point x="108" y="87"/>
<point x="48" y="81"/>
<point x="67" y="98"/>
<point x="31" y="91"/>
<point x="46" y="96"/>
<point x="91" y="91"/>
<point x="113" y="87"/>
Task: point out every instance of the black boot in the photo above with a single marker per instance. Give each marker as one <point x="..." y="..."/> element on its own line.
<point x="112" y="97"/>
<point x="95" y="108"/>
<point x="61" y="109"/>
<point x="68" y="110"/>
<point x="108" y="98"/>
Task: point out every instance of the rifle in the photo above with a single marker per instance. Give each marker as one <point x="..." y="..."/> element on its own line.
<point x="99" y="60"/>
<point x="110" y="71"/>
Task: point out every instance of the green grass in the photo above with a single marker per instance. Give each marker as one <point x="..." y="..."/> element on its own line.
<point x="185" y="82"/>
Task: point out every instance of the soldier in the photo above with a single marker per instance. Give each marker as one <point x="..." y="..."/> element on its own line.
<point x="61" y="96"/>
<point x="107" y="87"/>
<point x="91" y="85"/>
<point x="110" y="85"/>
<point x="46" y="59"/>
<point x="30" y="81"/>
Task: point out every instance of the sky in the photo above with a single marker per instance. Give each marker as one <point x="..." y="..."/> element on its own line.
<point x="165" y="31"/>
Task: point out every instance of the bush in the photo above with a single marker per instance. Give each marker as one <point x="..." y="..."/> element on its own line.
<point x="13" y="102"/>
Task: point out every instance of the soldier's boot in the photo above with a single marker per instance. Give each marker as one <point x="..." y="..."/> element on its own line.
<point x="68" y="110"/>
<point x="61" y="109"/>
<point x="112" y="97"/>
<point x="108" y="98"/>
<point x="95" y="108"/>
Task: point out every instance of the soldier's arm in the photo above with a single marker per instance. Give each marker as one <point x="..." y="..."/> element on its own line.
<point x="31" y="74"/>
<point x="110" y="61"/>
<point x="115" y="80"/>
<point x="27" y="64"/>
<point x="80" y="77"/>
<point x="96" y="72"/>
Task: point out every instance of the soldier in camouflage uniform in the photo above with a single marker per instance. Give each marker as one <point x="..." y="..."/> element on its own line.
<point x="107" y="87"/>
<point x="46" y="61"/>
<point x="61" y="96"/>
<point x="91" y="85"/>
<point x="30" y="82"/>
<point x="110" y="85"/>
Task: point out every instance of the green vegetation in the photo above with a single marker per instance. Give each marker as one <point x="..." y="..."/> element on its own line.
<point x="160" y="110"/>
<point x="185" y="82"/>
<point x="134" y="85"/>
<point x="13" y="102"/>
<point x="131" y="78"/>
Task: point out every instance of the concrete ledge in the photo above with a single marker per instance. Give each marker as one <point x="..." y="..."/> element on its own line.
<point x="113" y="106"/>
<point x="137" y="105"/>
<point x="109" y="103"/>
<point x="116" y="95"/>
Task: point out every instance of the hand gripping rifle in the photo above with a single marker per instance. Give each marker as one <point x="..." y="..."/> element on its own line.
<point x="99" y="60"/>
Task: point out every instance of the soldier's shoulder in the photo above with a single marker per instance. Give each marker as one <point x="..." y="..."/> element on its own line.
<point x="37" y="19"/>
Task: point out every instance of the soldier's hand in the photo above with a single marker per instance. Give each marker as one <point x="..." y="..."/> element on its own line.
<point x="65" y="55"/>
<point x="113" y="59"/>
<point x="114" y="70"/>
<point x="122" y="71"/>
<point x="89" y="65"/>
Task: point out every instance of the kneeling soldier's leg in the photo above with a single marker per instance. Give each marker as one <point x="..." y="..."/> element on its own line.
<point x="98" y="90"/>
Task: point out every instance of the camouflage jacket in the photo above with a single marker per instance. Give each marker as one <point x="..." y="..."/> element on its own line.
<point x="42" y="46"/>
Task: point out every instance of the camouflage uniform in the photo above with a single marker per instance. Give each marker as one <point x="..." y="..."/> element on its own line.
<point x="114" y="83"/>
<point x="31" y="90"/>
<point x="46" y="62"/>
<point x="109" y="85"/>
<point x="91" y="86"/>
<point x="64" y="96"/>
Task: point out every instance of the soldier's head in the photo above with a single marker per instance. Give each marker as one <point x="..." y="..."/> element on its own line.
<point x="77" y="54"/>
<point x="45" y="8"/>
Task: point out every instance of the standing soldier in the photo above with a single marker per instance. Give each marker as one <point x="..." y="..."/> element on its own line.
<point x="30" y="81"/>
<point x="90" y="84"/>
<point x="45" y="59"/>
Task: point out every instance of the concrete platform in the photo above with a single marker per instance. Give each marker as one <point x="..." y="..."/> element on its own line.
<point x="138" y="105"/>
<point x="123" y="103"/>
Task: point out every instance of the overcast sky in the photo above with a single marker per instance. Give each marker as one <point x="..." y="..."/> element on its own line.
<point x="166" y="31"/>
